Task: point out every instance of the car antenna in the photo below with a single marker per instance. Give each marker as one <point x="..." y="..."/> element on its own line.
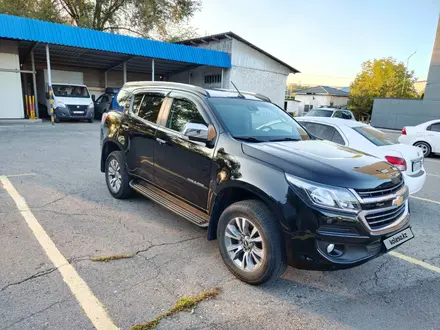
<point x="239" y="93"/>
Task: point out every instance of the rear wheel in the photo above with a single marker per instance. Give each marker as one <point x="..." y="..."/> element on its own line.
<point x="424" y="147"/>
<point x="116" y="176"/>
<point x="250" y="242"/>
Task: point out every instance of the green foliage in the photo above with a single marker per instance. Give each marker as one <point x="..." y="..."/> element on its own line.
<point x="160" y="19"/>
<point x="184" y="303"/>
<point x="380" y="78"/>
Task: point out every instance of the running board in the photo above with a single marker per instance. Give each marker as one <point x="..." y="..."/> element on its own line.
<point x="170" y="202"/>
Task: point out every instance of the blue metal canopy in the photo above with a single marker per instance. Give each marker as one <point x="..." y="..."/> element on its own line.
<point x="13" y="27"/>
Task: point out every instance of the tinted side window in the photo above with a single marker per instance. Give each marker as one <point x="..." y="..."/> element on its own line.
<point x="337" y="114"/>
<point x="434" y="127"/>
<point x="347" y="115"/>
<point x="183" y="111"/>
<point x="105" y="98"/>
<point x="337" y="138"/>
<point x="324" y="132"/>
<point x="147" y="106"/>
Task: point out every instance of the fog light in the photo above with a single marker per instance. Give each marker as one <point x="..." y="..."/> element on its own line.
<point x="330" y="248"/>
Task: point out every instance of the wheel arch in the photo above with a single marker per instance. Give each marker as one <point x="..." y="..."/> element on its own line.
<point x="236" y="192"/>
<point x="108" y="147"/>
<point x="423" y="141"/>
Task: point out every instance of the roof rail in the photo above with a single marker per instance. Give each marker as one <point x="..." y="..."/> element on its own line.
<point x="168" y="84"/>
<point x="257" y="95"/>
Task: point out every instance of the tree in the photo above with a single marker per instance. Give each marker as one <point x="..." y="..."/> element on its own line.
<point x="159" y="19"/>
<point x="380" y="78"/>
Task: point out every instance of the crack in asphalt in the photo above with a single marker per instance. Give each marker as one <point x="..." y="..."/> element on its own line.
<point x="44" y="272"/>
<point x="39" y="274"/>
<point x="35" y="313"/>
<point x="166" y="244"/>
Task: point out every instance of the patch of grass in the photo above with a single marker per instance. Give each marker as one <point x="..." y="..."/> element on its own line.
<point x="115" y="257"/>
<point x="183" y="304"/>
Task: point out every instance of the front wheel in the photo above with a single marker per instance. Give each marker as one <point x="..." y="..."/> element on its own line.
<point x="250" y="242"/>
<point x="116" y="176"/>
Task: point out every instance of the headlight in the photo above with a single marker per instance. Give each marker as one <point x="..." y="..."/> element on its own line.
<point x="61" y="105"/>
<point x="327" y="196"/>
<point x="91" y="105"/>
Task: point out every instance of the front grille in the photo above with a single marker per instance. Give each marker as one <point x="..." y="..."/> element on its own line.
<point x="381" y="219"/>
<point x="367" y="193"/>
<point x="80" y="110"/>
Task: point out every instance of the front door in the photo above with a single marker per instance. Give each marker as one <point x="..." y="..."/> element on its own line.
<point x="140" y="127"/>
<point x="183" y="167"/>
<point x="433" y="136"/>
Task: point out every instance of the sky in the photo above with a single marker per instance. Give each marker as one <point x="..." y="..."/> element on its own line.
<point x="327" y="40"/>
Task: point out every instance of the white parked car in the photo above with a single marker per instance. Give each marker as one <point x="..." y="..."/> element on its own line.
<point x="363" y="137"/>
<point x="330" y="113"/>
<point x="426" y="136"/>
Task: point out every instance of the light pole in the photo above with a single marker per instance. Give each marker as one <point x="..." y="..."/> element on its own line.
<point x="404" y="78"/>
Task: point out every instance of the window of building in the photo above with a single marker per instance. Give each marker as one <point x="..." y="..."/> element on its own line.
<point x="213" y="79"/>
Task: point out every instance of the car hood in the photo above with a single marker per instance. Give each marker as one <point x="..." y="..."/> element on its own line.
<point x="73" y="100"/>
<point x="326" y="162"/>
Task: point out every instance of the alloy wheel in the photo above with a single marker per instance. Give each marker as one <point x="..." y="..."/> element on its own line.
<point x="423" y="147"/>
<point x="244" y="244"/>
<point x="114" y="175"/>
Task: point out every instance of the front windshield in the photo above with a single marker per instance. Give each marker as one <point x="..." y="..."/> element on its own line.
<point x="375" y="136"/>
<point x="70" y="91"/>
<point x="320" y="113"/>
<point x="257" y="121"/>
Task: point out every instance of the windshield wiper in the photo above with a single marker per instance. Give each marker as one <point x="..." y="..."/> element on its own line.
<point x="247" y="138"/>
<point x="284" y="139"/>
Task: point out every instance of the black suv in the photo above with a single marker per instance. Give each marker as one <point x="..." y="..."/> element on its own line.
<point x="269" y="192"/>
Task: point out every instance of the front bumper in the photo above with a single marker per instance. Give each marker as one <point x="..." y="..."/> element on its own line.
<point x="353" y="241"/>
<point x="65" y="113"/>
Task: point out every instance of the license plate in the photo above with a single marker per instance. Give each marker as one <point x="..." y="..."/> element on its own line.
<point x="78" y="112"/>
<point x="399" y="238"/>
<point x="417" y="166"/>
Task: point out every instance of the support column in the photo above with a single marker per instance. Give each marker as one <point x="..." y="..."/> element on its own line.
<point x="222" y="78"/>
<point x="152" y="70"/>
<point x="105" y="79"/>
<point x="124" y="72"/>
<point x="34" y="80"/>
<point x="49" y="84"/>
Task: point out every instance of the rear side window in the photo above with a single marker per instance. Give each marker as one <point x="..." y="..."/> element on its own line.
<point x="434" y="127"/>
<point x="324" y="132"/>
<point x="320" y="113"/>
<point x="343" y="115"/>
<point x="375" y="136"/>
<point x="147" y="106"/>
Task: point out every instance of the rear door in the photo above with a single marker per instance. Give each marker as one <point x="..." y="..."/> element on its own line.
<point x="433" y="136"/>
<point x="140" y="127"/>
<point x="183" y="167"/>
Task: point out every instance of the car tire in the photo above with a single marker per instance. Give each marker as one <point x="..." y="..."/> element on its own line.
<point x="56" y="119"/>
<point x="260" y="237"/>
<point x="90" y="120"/>
<point x="116" y="176"/>
<point x="425" y="147"/>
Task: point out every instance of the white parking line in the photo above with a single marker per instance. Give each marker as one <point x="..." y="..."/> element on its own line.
<point x="415" y="261"/>
<point x="24" y="174"/>
<point x="425" y="200"/>
<point x="91" y="305"/>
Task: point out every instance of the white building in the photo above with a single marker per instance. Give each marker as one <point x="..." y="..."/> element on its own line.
<point x="321" y="96"/>
<point x="252" y="69"/>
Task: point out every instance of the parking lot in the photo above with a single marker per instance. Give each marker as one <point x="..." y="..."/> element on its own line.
<point x="56" y="171"/>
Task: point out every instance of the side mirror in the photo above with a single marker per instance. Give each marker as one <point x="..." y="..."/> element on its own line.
<point x="199" y="132"/>
<point x="93" y="98"/>
<point x="47" y="96"/>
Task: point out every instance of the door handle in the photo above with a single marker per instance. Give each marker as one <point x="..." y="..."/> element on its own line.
<point x="125" y="127"/>
<point x="161" y="141"/>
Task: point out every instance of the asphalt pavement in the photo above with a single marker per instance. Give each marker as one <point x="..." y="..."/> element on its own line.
<point x="56" y="171"/>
